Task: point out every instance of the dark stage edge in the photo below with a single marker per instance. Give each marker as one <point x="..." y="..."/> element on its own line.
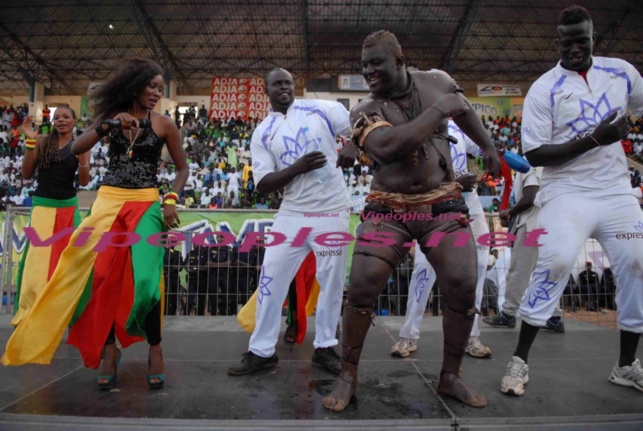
<point x="568" y="388"/>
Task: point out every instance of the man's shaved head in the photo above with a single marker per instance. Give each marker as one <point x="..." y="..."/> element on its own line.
<point x="386" y="38"/>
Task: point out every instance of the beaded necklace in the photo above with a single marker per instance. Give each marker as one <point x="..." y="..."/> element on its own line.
<point x="130" y="150"/>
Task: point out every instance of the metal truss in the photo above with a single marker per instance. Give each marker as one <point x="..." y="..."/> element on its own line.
<point x="67" y="44"/>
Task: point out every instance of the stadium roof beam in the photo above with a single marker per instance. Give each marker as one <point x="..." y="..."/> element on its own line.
<point x="459" y="36"/>
<point x="615" y="27"/>
<point x="29" y="55"/>
<point x="304" y="24"/>
<point x="153" y="37"/>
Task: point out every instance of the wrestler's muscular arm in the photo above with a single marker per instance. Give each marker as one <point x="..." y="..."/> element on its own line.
<point x="389" y="144"/>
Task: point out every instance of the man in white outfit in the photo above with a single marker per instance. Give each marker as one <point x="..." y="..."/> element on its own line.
<point x="424" y="275"/>
<point x="524" y="219"/>
<point x="294" y="148"/>
<point x="574" y="118"/>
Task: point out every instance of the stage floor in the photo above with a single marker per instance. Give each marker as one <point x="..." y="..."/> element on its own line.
<point x="568" y="386"/>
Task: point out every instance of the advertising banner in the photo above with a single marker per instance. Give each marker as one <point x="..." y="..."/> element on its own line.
<point x="498" y="106"/>
<point x="495" y="90"/>
<point x="352" y="83"/>
<point x="238" y="97"/>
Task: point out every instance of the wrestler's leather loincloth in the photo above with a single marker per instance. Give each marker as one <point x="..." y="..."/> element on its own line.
<point x="454" y="218"/>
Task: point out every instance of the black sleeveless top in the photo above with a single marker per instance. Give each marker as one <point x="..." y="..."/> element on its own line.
<point x="57" y="180"/>
<point x="139" y="170"/>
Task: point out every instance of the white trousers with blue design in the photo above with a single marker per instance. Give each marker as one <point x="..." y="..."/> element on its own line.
<point x="616" y="222"/>
<point x="281" y="263"/>
<point x="424" y="277"/>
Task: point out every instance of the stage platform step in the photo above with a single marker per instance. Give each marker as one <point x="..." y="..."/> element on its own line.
<point x="568" y="387"/>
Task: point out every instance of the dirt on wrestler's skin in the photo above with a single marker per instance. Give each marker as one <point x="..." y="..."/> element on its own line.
<point x="420" y="172"/>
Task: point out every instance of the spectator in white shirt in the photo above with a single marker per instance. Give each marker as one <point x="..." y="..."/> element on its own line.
<point x="218" y="188"/>
<point x="206" y="197"/>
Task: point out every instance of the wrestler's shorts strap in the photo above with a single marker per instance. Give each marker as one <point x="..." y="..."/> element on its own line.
<point x="392" y="254"/>
<point x="469" y="313"/>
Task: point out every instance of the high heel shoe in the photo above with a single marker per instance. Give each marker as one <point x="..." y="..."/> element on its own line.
<point x="109" y="382"/>
<point x="290" y="336"/>
<point x="150" y="377"/>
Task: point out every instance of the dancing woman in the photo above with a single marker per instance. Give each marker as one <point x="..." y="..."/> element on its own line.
<point x="55" y="205"/>
<point x="108" y="280"/>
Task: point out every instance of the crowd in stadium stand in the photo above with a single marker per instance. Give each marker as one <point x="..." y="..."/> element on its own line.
<point x="221" y="177"/>
<point x="221" y="166"/>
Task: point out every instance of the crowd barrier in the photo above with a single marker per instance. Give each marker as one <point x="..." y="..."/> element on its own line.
<point x="220" y="280"/>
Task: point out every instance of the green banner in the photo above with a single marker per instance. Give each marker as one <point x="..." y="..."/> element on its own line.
<point x="84" y="109"/>
<point x="239" y="224"/>
<point x="496" y="106"/>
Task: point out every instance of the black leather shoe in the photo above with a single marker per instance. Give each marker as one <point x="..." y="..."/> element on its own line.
<point x="327" y="358"/>
<point x="555" y="326"/>
<point x="251" y="363"/>
<point x="500" y="319"/>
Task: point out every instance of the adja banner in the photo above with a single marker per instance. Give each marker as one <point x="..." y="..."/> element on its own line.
<point x="238" y="97"/>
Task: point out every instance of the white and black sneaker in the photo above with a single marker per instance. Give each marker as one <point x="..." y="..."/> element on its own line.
<point x="516" y="377"/>
<point x="631" y="375"/>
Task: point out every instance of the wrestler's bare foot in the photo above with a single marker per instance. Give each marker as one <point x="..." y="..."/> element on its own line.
<point x="341" y="395"/>
<point x="453" y="386"/>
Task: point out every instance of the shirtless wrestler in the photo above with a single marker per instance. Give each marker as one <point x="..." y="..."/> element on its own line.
<point x="402" y="126"/>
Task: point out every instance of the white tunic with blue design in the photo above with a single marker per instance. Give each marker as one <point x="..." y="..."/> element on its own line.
<point x="280" y="140"/>
<point x="459" y="159"/>
<point x="561" y="105"/>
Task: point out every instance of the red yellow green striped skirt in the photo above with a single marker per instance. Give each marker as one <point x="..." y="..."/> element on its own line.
<point x="48" y="218"/>
<point x="109" y="275"/>
<point x="307" y="296"/>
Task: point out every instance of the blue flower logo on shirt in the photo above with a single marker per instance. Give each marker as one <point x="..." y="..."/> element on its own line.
<point x="639" y="226"/>
<point x="421" y="285"/>
<point x="264" y="289"/>
<point x="297" y="147"/>
<point x="543" y="286"/>
<point x="459" y="159"/>
<point x="591" y="115"/>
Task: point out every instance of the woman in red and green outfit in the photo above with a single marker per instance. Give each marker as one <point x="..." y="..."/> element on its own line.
<point x="109" y="280"/>
<point x="55" y="205"/>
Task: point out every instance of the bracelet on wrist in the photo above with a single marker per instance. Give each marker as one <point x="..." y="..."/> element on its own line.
<point x="589" y="135"/>
<point x="83" y="166"/>
<point x="443" y="114"/>
<point x="170" y="198"/>
<point x="30" y="144"/>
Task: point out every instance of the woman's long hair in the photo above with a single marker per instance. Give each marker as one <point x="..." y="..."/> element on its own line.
<point x="117" y="94"/>
<point x="49" y="152"/>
